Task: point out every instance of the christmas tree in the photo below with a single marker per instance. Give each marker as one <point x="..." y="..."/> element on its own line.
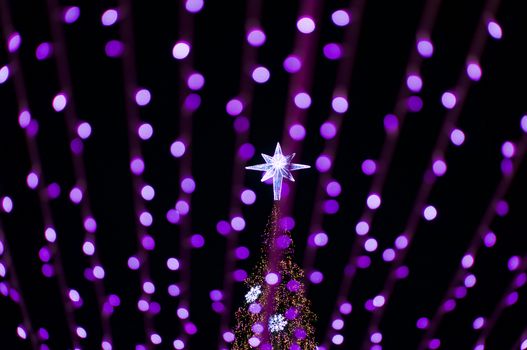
<point x="276" y="313"/>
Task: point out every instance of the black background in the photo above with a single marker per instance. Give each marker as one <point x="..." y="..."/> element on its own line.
<point x="490" y="116"/>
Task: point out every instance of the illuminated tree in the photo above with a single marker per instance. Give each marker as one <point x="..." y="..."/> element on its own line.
<point x="276" y="313"/>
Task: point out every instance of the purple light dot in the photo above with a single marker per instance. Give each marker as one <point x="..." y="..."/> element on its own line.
<point x="254" y="342"/>
<point x="88" y="248"/>
<point x="333" y="189"/>
<point x="238" y="223"/>
<point x="71" y="14"/>
<point x="146" y="219"/>
<point x="74" y="295"/>
<point x="470" y="281"/>
<point x="369" y="167"/>
<point x="195" y="81"/>
<point x="240" y="275"/>
<point x="143" y="305"/>
<point x="508" y="150"/>
<point x="182" y="207"/>
<point x="474" y="71"/>
<point x="228" y="337"/>
<point x="98" y="272"/>
<point x="149" y="288"/>
<point x="241" y="124"/>
<point x="192" y="102"/>
<point x="148" y="193"/>
<point x="137" y="166"/>
<point x="460" y="292"/>
<point x="181" y="50"/>
<point x="293" y="286"/>
<point x="194" y="6"/>
<point x="513" y="263"/>
<point x="332" y="51"/>
<point x="297" y="132"/>
<point x="402" y="272"/>
<point x="255" y="308"/>
<point x="13" y="42"/>
<point x="339" y="104"/>
<point x="388" y="255"/>
<point x="1" y="248"/>
<point x="331" y="206"/>
<point x="109" y="17"/>
<point x="272" y="278"/>
<point x="173" y="264"/>
<point x="48" y="271"/>
<point x="302" y="100"/>
<point x="155" y="339"/>
<point x="391" y="123"/>
<point x="234" y="107"/>
<point x="50" y="234"/>
<point x="430" y="213"/>
<point x="256" y="37"/>
<point x="489" y="239"/>
<point x="362" y="228"/>
<point x="323" y="163"/>
<point x="434" y="344"/>
<point x="401" y="242"/>
<point x="84" y="130"/>
<point x="242" y="253"/>
<point x="337" y="324"/>
<point x="133" y="263"/>
<point x="145" y="131"/>
<point x="328" y="130"/>
<point x="316" y="277"/>
<point x="512" y="298"/>
<point x="478" y="323"/>
<point x="448" y="99"/>
<point x="457" y="137"/>
<point x="305" y="25"/>
<point x="425" y="48"/>
<point x="197" y="241"/>
<point x="248" y="197"/>
<point x="7" y="204"/>
<point x="21" y="332"/>
<point x="376" y="338"/>
<point x="345" y="308"/>
<point x="371" y="245"/>
<point x="467" y="261"/>
<point x="502" y="208"/>
<point x="414" y="103"/>
<point x="292" y="64"/>
<point x="494" y="30"/>
<point x="423" y="323"/>
<point x="188" y="185"/>
<point x="114" y="48"/>
<point x="320" y="239"/>
<point x="414" y="82"/>
<point x="24" y="118"/>
<point x="43" y="51"/>
<point x="148" y="242"/>
<point x="4" y="74"/>
<point x="373" y="201"/>
<point x="59" y="102"/>
<point x="142" y="97"/>
<point x="337" y="339"/>
<point x="439" y="167"/>
<point x="341" y="18"/>
<point x="177" y="149"/>
<point x="261" y="75"/>
<point x="173" y="290"/>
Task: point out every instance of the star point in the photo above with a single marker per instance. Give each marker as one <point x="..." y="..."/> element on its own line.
<point x="277" y="167"/>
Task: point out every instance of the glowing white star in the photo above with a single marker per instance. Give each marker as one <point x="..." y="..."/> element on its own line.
<point x="277" y="167"/>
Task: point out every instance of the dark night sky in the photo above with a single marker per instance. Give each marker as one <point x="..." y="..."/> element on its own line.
<point x="490" y="116"/>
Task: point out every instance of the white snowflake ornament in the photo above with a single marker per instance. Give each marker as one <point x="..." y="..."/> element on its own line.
<point x="277" y="323"/>
<point x="253" y="294"/>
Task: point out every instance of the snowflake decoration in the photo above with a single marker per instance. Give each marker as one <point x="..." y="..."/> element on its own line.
<point x="277" y="323"/>
<point x="253" y="294"/>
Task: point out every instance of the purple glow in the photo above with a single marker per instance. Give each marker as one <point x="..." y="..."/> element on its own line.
<point x="414" y="103"/>
<point x="401" y="242"/>
<point x="71" y="14"/>
<point x="328" y="130"/>
<point x="188" y="185"/>
<point x="148" y="242"/>
<point x="391" y="123"/>
<point x="425" y="48"/>
<point x="248" y="197"/>
<point x="246" y="151"/>
<point x="4" y="74"/>
<point x="133" y="263"/>
<point x="173" y="290"/>
<point x="376" y="338"/>
<point x="238" y="223"/>
<point x="388" y="255"/>
<point x="88" y="248"/>
<point x="114" y="48"/>
<point x="84" y="130"/>
<point x="43" y="51"/>
<point x="98" y="272"/>
<point x="502" y="208"/>
<point x="142" y="97"/>
<point x="512" y="298"/>
<point x="371" y="245"/>
<point x="457" y="137"/>
<point x="59" y="102"/>
<point x="414" y="82"/>
<point x="470" y="281"/>
<point x="148" y="193"/>
<point x="333" y="189"/>
<point x="316" y="277"/>
<point x="337" y="339"/>
<point x="13" y="42"/>
<point x="256" y="37"/>
<point x="362" y="228"/>
<point x="146" y="219"/>
<point x="297" y="132"/>
<point x="341" y="18"/>
<point x="242" y="253"/>
<point x="229" y="337"/>
<point x="467" y="261"/>
<point x="474" y="71"/>
<point x="234" y="107"/>
<point x="339" y="104"/>
<point x="293" y="286"/>
<point x="508" y="149"/>
<point x="195" y="81"/>
<point x="181" y="50"/>
<point x="173" y="264"/>
<point x="292" y="64"/>
<point x="241" y="124"/>
<point x="7" y="204"/>
<point x="177" y="149"/>
<point x="302" y="100"/>
<point x="513" y="263"/>
<point x="489" y="239"/>
<point x="448" y="99"/>
<point x="197" y="241"/>
<point x="478" y="323"/>
<point x="320" y="239"/>
<point x="369" y="167"/>
<point x="373" y="201"/>
<point x="430" y="213"/>
<point x="261" y="75"/>
<point x="272" y="278"/>
<point x="494" y="30"/>
<point x="439" y="167"/>
<point x="137" y="166"/>
<point x="305" y="25"/>
<point x="422" y="323"/>
<point x="331" y="206"/>
<point x="109" y="17"/>
<point x="332" y="51"/>
<point x="193" y="6"/>
<point x="216" y="295"/>
<point x="323" y="163"/>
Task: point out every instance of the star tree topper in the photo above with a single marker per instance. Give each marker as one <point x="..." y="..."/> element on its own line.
<point x="277" y="167"/>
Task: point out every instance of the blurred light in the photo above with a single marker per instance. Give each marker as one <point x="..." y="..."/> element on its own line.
<point x="305" y="25"/>
<point x="341" y="18"/>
